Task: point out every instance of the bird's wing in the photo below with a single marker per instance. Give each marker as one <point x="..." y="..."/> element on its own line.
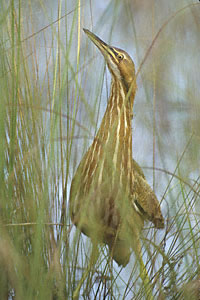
<point x="137" y="169"/>
<point x="144" y="199"/>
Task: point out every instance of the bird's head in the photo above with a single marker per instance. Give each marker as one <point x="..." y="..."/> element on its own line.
<point x="119" y="62"/>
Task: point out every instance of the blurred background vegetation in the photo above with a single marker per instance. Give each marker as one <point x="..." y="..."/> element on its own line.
<point x="54" y="90"/>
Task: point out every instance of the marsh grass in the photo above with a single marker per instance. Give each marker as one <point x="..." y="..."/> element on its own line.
<point x="45" y="97"/>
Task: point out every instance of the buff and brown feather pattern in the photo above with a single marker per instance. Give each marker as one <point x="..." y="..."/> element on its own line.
<point x="110" y="197"/>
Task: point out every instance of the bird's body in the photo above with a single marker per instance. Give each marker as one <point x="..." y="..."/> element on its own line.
<point x="110" y="197"/>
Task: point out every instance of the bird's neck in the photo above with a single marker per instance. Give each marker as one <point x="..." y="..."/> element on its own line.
<point x="119" y="112"/>
<point x="115" y="132"/>
<point x="122" y="97"/>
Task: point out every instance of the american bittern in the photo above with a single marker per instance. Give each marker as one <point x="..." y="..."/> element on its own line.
<point x="110" y="197"/>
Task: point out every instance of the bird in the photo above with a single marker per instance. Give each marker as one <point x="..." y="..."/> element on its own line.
<point x="110" y="197"/>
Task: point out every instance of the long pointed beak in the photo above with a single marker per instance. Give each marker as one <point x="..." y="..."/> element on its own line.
<point x="105" y="49"/>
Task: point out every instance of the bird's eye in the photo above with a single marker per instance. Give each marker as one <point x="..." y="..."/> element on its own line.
<point x="120" y="56"/>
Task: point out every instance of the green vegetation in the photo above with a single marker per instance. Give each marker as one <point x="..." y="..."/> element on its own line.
<point x="51" y="103"/>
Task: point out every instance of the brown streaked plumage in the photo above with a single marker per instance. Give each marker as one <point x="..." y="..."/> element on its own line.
<point x="110" y="197"/>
